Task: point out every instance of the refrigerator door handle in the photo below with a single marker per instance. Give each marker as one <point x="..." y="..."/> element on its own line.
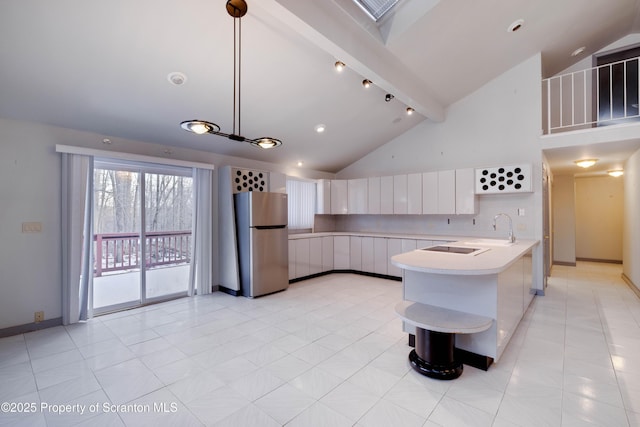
<point x="269" y="227"/>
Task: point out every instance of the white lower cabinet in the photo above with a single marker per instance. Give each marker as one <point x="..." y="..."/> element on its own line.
<point x="315" y="255"/>
<point x="292" y="259"/>
<point x="380" y="255"/>
<point x="327" y="253"/>
<point x="368" y="261"/>
<point x="341" y="252"/>
<point x="396" y="247"/>
<point x="355" y="253"/>
<point x="302" y="257"/>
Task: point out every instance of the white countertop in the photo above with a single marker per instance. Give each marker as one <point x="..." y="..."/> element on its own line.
<point x="374" y="234"/>
<point x="491" y="259"/>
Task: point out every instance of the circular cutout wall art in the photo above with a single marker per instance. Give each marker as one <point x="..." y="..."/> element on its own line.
<point x="249" y="180"/>
<point x="503" y="179"/>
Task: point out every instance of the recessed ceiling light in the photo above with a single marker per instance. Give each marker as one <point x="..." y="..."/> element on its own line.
<point x="320" y="128"/>
<point x="177" y="78"/>
<point x="586" y="163"/>
<point x="300" y="163"/>
<point x="578" y="51"/>
<point x="106" y="141"/>
<point x="366" y="83"/>
<point x="339" y="65"/>
<point x="616" y="173"/>
<point x="410" y="111"/>
<point x="515" y="25"/>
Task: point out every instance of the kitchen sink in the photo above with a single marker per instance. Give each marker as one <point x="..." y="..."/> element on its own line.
<point x="489" y="242"/>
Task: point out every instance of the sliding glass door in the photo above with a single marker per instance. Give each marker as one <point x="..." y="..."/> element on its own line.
<point x="142" y="234"/>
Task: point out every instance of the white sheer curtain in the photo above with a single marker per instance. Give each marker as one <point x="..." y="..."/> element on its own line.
<point x="77" y="203"/>
<point x="200" y="272"/>
<point x="302" y="203"/>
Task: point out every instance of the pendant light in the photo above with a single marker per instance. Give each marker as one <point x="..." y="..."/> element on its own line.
<point x="236" y="9"/>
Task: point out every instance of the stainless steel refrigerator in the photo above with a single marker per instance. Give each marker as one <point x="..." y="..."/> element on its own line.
<point x="263" y="246"/>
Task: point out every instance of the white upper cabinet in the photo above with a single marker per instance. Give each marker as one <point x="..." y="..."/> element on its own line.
<point x="373" y="188"/>
<point x="400" y="194"/>
<point x="357" y="196"/>
<point x="414" y="194"/>
<point x="430" y="193"/>
<point x="323" y="197"/>
<point x="466" y="199"/>
<point x="339" y="197"/>
<point x="447" y="192"/>
<point x="386" y="195"/>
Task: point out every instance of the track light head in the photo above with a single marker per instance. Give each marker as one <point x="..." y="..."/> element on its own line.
<point x="388" y="97"/>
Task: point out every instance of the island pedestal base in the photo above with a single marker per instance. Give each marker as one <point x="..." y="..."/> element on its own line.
<point x="433" y="355"/>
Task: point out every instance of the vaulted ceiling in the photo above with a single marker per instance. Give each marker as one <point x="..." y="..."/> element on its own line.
<point x="103" y="66"/>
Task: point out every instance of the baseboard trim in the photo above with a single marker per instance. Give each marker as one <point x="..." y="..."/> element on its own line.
<point x="361" y="273"/>
<point x="30" y="327"/>
<point x="632" y="285"/>
<point x="607" y="261"/>
<point x="568" y="264"/>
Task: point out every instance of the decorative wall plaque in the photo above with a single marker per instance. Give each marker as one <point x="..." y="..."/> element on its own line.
<point x="503" y="179"/>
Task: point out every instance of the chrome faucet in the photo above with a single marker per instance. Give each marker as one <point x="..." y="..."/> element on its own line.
<point x="512" y="238"/>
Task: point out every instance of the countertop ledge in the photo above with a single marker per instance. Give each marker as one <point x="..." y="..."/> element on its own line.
<point x="491" y="259"/>
<point x="439" y="238"/>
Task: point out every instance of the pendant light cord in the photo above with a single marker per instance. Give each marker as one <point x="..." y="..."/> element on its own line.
<point x="237" y="77"/>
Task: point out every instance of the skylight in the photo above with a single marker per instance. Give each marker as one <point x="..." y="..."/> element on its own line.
<point x="376" y="8"/>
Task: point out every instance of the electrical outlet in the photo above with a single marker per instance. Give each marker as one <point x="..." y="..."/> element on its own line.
<point x="38" y="316"/>
<point x="520" y="211"/>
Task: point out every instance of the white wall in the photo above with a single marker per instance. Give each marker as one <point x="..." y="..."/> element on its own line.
<point x="30" y="173"/>
<point x="499" y="124"/>
<point x="599" y="217"/>
<point x="564" y="220"/>
<point x="631" y="233"/>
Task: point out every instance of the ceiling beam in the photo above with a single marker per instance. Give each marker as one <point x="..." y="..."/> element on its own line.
<point x="327" y="26"/>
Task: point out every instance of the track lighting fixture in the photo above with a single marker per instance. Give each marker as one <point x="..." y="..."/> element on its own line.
<point x="339" y="65"/>
<point x="236" y="9"/>
<point x="410" y="111"/>
<point x="388" y="97"/>
<point x="366" y="83"/>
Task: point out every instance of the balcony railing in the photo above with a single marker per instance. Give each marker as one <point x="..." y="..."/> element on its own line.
<point x="598" y="96"/>
<point x="122" y="251"/>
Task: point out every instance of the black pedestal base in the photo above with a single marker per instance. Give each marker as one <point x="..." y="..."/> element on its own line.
<point x="439" y="372"/>
<point x="434" y="355"/>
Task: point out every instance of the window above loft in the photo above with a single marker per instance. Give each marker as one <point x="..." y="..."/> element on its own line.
<point x="376" y="9"/>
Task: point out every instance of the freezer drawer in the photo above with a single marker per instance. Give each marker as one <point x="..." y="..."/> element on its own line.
<point x="264" y="261"/>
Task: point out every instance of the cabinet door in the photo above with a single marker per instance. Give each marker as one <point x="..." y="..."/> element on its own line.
<point x="355" y="253"/>
<point x="302" y="257"/>
<point x="292" y="259"/>
<point x="400" y="194"/>
<point x="465" y="192"/>
<point x="373" y="188"/>
<point x="341" y="252"/>
<point x="327" y="253"/>
<point x="408" y="245"/>
<point x="386" y="195"/>
<point x="394" y="247"/>
<point x="430" y="193"/>
<point x="414" y="194"/>
<point x="368" y="262"/>
<point x="447" y="192"/>
<point x="380" y="253"/>
<point x="323" y="197"/>
<point x="315" y="255"/>
<point x="357" y="196"/>
<point x="339" y="198"/>
<point x="420" y="244"/>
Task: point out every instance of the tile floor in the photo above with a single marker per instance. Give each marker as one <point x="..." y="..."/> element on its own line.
<point x="327" y="352"/>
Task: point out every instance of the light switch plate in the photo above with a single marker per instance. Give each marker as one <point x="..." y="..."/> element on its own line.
<point x="32" y="227"/>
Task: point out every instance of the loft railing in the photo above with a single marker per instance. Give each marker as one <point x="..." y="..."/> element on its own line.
<point x="122" y="251"/>
<point x="598" y="96"/>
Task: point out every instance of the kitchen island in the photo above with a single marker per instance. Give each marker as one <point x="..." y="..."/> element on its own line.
<point x="485" y="277"/>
